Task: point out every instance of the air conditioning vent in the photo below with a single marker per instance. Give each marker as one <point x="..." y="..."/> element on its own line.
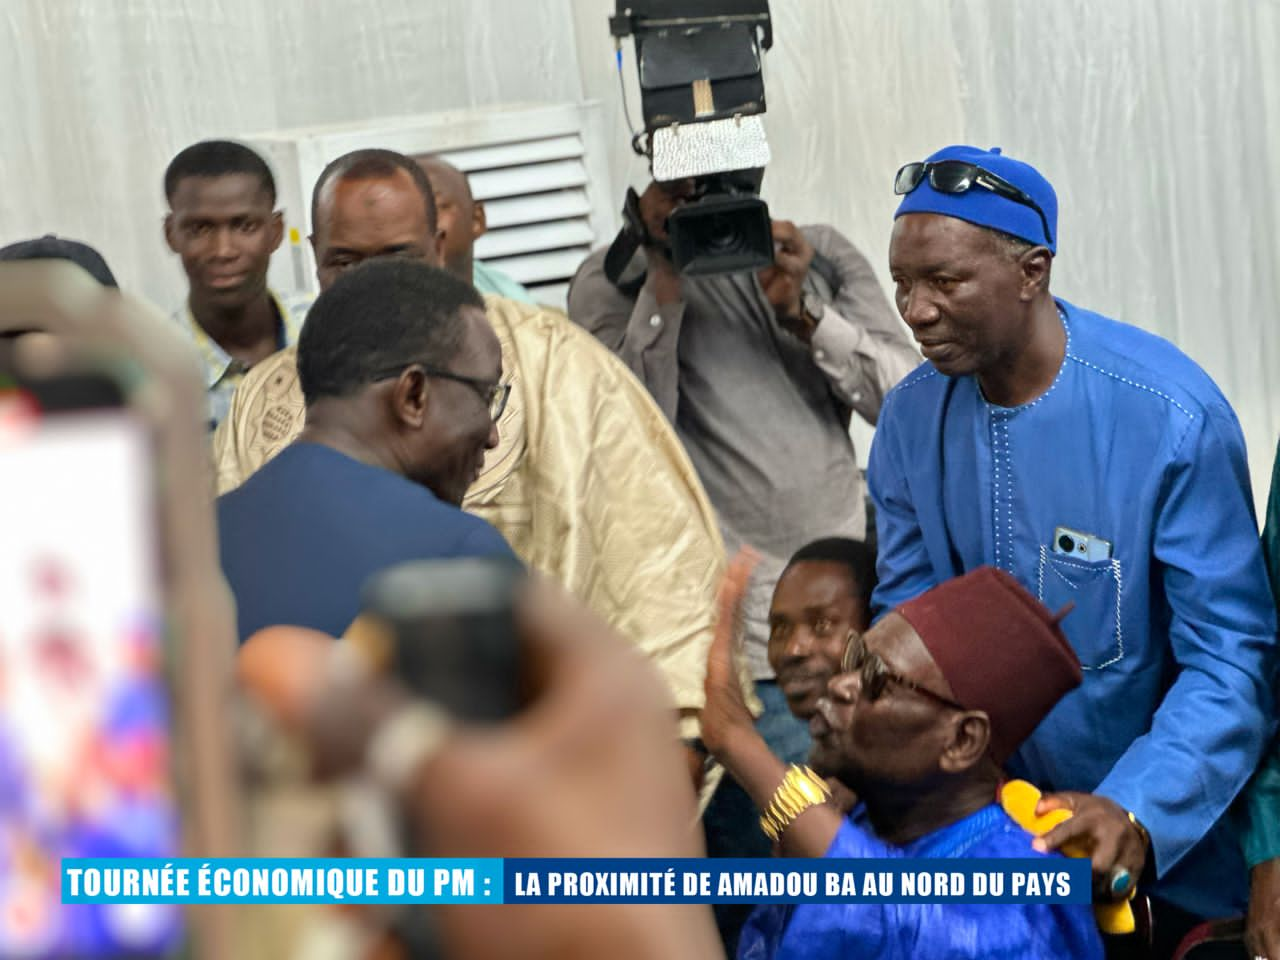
<point x="539" y="169"/>
<point x="537" y="209"/>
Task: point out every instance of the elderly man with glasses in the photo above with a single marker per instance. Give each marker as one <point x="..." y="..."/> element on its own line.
<point x="1097" y="465"/>
<point x="917" y="724"/>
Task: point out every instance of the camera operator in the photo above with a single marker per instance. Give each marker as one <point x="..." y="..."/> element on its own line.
<point x="759" y="373"/>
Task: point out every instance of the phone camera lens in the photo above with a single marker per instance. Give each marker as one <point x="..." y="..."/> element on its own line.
<point x="1066" y="544"/>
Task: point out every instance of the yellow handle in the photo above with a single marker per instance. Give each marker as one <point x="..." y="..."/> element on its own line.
<point x="1019" y="800"/>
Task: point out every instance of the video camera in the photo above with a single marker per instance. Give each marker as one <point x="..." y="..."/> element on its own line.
<point x="702" y="97"/>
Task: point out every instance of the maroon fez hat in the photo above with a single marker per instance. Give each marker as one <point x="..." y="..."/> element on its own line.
<point x="1000" y="650"/>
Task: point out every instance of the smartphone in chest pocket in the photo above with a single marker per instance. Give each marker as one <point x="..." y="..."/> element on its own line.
<point x="1081" y="546"/>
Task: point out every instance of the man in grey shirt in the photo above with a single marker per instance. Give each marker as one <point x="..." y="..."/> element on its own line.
<point x="759" y="374"/>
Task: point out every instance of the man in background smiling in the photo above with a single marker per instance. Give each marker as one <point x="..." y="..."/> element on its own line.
<point x="224" y="226"/>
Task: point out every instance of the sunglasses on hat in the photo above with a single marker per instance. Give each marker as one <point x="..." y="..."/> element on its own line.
<point x="960" y="176"/>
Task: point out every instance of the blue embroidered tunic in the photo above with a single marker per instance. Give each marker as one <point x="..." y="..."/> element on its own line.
<point x="1135" y="447"/>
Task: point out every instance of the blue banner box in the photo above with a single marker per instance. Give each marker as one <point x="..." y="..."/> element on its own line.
<point x="1033" y="880"/>
<point x="457" y="881"/>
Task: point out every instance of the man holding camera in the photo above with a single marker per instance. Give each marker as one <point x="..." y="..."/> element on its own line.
<point x="759" y="372"/>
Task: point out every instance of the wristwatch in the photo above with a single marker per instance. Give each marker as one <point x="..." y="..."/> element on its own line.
<point x="811" y="309"/>
<point x="804" y="323"/>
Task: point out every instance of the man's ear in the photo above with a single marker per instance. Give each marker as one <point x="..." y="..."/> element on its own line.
<point x="1036" y="265"/>
<point x="276" y="226"/>
<point x="410" y="397"/>
<point x="970" y="738"/>
<point x="479" y="220"/>
<point x="170" y="233"/>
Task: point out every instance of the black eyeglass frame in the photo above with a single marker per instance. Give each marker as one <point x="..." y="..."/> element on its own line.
<point x="494" y="395"/>
<point x="965" y="176"/>
<point x="876" y="673"/>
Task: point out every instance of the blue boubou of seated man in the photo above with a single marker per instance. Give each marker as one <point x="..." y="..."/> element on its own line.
<point x="917" y="724"/>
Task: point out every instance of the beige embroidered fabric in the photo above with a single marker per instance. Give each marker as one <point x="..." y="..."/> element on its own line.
<point x="222" y="373"/>
<point x="588" y="483"/>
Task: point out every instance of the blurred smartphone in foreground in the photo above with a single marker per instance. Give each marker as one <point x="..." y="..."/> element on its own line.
<point x="86" y="725"/>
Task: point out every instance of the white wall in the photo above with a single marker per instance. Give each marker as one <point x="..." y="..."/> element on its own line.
<point x="100" y="95"/>
<point x="1157" y="120"/>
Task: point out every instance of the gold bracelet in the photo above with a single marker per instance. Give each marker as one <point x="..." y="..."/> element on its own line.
<point x="800" y="789"/>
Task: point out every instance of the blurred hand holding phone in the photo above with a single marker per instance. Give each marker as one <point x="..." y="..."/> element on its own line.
<point x="588" y="766"/>
<point x="105" y="730"/>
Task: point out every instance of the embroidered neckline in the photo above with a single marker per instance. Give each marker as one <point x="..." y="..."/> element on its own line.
<point x="963" y="834"/>
<point x="1007" y="412"/>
